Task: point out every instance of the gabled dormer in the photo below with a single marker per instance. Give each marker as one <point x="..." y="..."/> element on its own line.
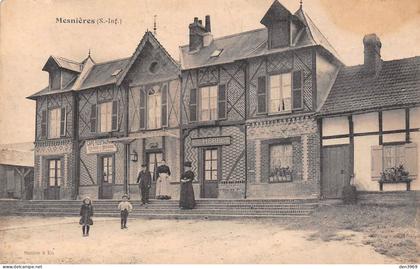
<point x="61" y="71"/>
<point x="282" y="26"/>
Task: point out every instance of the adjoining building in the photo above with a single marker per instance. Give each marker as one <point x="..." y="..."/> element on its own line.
<point x="16" y="171"/>
<point x="250" y="101"/>
<point x="371" y="123"/>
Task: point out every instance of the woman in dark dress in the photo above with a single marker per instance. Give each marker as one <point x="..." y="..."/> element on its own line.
<point x="187" y="200"/>
<point x="86" y="212"/>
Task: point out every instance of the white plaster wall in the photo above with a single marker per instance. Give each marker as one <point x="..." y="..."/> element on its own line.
<point x="364" y="123"/>
<point x="400" y="137"/>
<point x="335" y="141"/>
<point x="363" y="162"/>
<point x="415" y="117"/>
<point x="415" y="138"/>
<point x="335" y="126"/>
<point x="393" y="119"/>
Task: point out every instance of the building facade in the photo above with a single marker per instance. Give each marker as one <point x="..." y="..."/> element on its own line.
<point x="268" y="113"/>
<point x="98" y="122"/>
<point x="265" y="88"/>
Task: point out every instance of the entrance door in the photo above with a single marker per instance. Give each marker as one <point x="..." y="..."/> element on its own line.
<point x="29" y="186"/>
<point x="106" y="176"/>
<point x="335" y="170"/>
<point x="154" y="159"/>
<point x="54" y="180"/>
<point x="210" y="174"/>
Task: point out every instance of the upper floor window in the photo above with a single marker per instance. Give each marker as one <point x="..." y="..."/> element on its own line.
<point x="104" y="117"/>
<point x="280" y="93"/>
<point x="208" y="103"/>
<point x="154" y="112"/>
<point x="154" y="107"/>
<point x="53" y="123"/>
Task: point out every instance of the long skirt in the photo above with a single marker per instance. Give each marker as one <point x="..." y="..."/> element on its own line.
<point x="162" y="186"/>
<point x="187" y="199"/>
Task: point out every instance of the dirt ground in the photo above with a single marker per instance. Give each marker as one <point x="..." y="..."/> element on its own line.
<point x="297" y="240"/>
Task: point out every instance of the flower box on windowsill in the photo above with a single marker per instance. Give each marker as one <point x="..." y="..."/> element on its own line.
<point x="279" y="175"/>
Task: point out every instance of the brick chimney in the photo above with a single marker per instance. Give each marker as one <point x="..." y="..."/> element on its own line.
<point x="200" y="36"/>
<point x="373" y="61"/>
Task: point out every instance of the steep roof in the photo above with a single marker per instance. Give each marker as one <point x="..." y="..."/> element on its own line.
<point x="397" y="84"/>
<point x="147" y="37"/>
<point x="65" y="64"/>
<point x="254" y="43"/>
<point x="102" y="73"/>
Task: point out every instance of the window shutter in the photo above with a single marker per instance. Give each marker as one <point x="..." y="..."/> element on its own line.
<point x="63" y="121"/>
<point x="164" y="106"/>
<point x="193" y="105"/>
<point x="376" y="166"/>
<point x="142" y="108"/>
<point x="44" y="123"/>
<point x="221" y="102"/>
<point x="297" y="90"/>
<point x="411" y="159"/>
<point x="262" y="95"/>
<point x="114" y="119"/>
<point x="93" y="118"/>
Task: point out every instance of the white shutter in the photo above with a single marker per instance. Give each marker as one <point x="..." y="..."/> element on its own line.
<point x="376" y="166"/>
<point x="411" y="159"/>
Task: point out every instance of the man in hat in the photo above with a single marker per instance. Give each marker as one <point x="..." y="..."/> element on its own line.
<point x="144" y="179"/>
<point x="187" y="199"/>
<point x="125" y="207"/>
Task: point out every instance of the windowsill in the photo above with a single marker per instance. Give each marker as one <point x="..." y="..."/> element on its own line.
<point x="279" y="182"/>
<point x="280" y="113"/>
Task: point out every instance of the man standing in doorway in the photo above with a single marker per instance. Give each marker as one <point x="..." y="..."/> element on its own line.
<point x="144" y="179"/>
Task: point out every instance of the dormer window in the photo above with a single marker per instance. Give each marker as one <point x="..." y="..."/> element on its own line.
<point x="216" y="53"/>
<point x="116" y="72"/>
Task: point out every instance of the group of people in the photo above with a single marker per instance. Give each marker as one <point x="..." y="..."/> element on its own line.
<point x="144" y="179"/>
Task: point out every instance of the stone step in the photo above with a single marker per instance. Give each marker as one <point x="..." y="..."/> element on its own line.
<point x="221" y="206"/>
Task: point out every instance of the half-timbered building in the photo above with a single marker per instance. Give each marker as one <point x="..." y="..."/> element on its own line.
<point x="97" y="122"/>
<point x="370" y="125"/>
<point x="250" y="100"/>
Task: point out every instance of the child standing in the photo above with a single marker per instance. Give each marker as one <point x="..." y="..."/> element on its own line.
<point x="125" y="207"/>
<point x="86" y="212"/>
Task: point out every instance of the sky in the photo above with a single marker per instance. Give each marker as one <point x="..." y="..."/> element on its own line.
<point x="29" y="34"/>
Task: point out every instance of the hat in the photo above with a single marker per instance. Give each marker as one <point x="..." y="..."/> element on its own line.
<point x="144" y="165"/>
<point x="125" y="195"/>
<point x="187" y="164"/>
<point x="87" y="198"/>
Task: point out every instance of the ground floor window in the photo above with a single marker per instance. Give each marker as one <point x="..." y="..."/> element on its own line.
<point x="394" y="156"/>
<point x="210" y="164"/>
<point x="281" y="163"/>
<point x="54" y="173"/>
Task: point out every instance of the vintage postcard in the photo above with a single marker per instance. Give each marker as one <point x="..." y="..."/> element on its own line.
<point x="209" y="132"/>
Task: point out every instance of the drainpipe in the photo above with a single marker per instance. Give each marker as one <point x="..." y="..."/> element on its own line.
<point x="246" y="129"/>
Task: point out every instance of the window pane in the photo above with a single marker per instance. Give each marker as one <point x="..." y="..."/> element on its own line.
<point x="214" y="175"/>
<point x="207" y="175"/>
<point x="281" y="163"/>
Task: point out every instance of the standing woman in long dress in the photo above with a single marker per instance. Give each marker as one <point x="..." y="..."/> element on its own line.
<point x="187" y="199"/>
<point x="163" y="184"/>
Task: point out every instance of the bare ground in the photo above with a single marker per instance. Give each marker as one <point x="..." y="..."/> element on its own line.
<point x="333" y="234"/>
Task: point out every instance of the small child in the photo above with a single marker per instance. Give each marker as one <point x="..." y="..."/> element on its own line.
<point x="125" y="207"/>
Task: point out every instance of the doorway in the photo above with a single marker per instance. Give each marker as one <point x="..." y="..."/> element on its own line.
<point x="335" y="170"/>
<point x="106" y="176"/>
<point x="55" y="173"/>
<point x="209" y="183"/>
<point x="154" y="159"/>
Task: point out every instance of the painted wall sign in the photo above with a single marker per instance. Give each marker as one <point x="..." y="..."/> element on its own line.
<point x="95" y="147"/>
<point x="211" y="141"/>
